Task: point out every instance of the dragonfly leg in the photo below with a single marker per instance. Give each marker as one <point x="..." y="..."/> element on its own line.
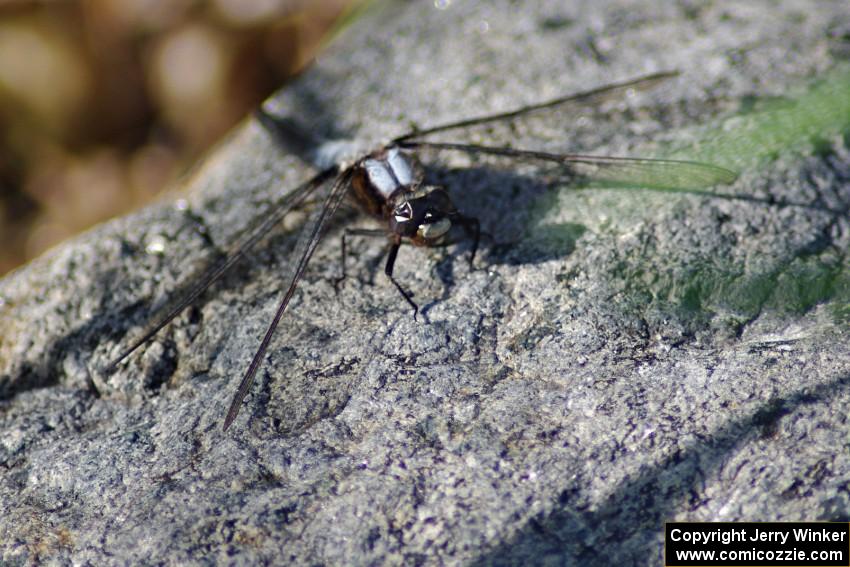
<point x="343" y="247"/>
<point x="389" y="271"/>
<point x="473" y="229"/>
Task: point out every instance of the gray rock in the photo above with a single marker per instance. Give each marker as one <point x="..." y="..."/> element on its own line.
<point x="618" y="358"/>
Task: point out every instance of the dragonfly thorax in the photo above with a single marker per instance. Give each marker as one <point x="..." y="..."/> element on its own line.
<point x="391" y="169"/>
<point x="388" y="184"/>
<point x="381" y="175"/>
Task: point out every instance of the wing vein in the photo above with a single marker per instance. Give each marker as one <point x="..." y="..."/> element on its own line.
<point x="655" y="173"/>
<point x="237" y="252"/>
<point x="331" y="204"/>
<point x="592" y="96"/>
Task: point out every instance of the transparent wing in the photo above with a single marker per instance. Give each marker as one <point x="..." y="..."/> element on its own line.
<point x="250" y="237"/>
<point x="311" y="236"/>
<point x="594" y="96"/>
<point x="616" y="171"/>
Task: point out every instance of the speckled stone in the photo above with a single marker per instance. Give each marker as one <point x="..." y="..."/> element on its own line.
<point x="617" y="358"/>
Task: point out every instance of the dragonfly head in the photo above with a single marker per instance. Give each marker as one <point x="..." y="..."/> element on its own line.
<point x="423" y="215"/>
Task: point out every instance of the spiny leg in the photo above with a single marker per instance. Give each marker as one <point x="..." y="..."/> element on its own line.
<point x="389" y="272"/>
<point x="353" y="232"/>
<point x="473" y="228"/>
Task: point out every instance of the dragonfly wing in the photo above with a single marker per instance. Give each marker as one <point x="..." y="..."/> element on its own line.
<point x="310" y="238"/>
<point x="617" y="171"/>
<point x="649" y="173"/>
<point x="253" y="234"/>
<point x="592" y="97"/>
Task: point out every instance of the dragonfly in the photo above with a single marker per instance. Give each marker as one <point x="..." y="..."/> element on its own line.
<point x="388" y="183"/>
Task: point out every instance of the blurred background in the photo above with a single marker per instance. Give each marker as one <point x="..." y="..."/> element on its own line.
<point x="103" y="103"/>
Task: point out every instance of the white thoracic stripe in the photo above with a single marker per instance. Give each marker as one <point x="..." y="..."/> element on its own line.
<point x="400" y="166"/>
<point x="390" y="173"/>
<point x="381" y="177"/>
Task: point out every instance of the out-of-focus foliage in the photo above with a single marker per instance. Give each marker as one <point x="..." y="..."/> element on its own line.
<point x="769" y="127"/>
<point x="104" y="102"/>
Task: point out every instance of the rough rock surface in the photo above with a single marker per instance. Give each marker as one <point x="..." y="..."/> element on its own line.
<point x="618" y="358"/>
